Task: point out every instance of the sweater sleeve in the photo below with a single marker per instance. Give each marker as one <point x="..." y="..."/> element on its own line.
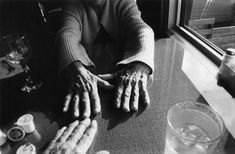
<point x="68" y="39"/>
<point x="139" y="42"/>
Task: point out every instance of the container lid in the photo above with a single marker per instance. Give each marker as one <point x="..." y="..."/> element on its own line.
<point x="27" y="148"/>
<point x="24" y="119"/>
<point x="16" y="133"/>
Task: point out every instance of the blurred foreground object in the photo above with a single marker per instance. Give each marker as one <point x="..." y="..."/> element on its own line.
<point x="27" y="148"/>
<point x="76" y="138"/>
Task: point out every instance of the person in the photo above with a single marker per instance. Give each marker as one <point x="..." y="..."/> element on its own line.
<point x="76" y="138"/>
<point x="108" y="38"/>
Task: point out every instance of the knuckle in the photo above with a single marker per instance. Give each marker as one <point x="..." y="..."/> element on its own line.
<point x="76" y="97"/>
<point x="127" y="94"/>
<point x="59" y="140"/>
<point x="68" y="97"/>
<point x="141" y="81"/>
<point x="119" y="92"/>
<point x="54" y="150"/>
<point x="135" y="93"/>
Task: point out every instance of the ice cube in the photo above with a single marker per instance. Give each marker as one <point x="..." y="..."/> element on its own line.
<point x="201" y="148"/>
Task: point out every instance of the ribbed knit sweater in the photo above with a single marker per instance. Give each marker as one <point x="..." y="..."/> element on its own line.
<point x="130" y="38"/>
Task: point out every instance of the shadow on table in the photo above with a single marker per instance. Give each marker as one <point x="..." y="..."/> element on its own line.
<point x="229" y="146"/>
<point x="229" y="87"/>
<point x="111" y="113"/>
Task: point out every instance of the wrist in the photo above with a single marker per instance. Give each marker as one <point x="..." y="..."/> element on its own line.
<point x="77" y="65"/>
<point x="142" y="67"/>
<point x="74" y="68"/>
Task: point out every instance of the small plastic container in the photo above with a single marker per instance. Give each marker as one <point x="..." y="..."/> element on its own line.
<point x="3" y="138"/>
<point x="26" y="122"/>
<point x="16" y="133"/>
<point x="27" y="148"/>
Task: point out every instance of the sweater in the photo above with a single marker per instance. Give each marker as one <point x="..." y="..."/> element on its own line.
<point x="128" y="38"/>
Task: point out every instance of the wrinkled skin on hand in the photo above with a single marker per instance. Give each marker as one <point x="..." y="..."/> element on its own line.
<point x="74" y="139"/>
<point x="131" y="84"/>
<point x="83" y="95"/>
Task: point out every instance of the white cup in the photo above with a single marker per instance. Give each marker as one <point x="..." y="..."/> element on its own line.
<point x="26" y="122"/>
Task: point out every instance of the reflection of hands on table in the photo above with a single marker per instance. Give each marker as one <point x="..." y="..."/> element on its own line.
<point x="131" y="84"/>
<point x="8" y="69"/>
<point x="76" y="138"/>
<point x="83" y="91"/>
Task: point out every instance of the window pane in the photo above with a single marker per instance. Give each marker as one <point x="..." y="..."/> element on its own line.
<point x="212" y="19"/>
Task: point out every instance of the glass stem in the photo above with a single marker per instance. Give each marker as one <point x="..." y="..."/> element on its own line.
<point x="26" y="70"/>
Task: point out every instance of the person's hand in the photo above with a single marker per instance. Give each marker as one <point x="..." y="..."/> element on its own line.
<point x="83" y="95"/>
<point x="131" y="84"/>
<point x="77" y="138"/>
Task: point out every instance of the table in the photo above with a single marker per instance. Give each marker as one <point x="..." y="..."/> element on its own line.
<point x="118" y="132"/>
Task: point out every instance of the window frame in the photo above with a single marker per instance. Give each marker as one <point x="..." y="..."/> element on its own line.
<point x="213" y="52"/>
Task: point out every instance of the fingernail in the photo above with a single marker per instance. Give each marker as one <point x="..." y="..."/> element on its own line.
<point x="85" y="116"/>
<point x="76" y="115"/>
<point x="96" y="112"/>
<point x="117" y="105"/>
<point x="126" y="109"/>
<point x="134" y="108"/>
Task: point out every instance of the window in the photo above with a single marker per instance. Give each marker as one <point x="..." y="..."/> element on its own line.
<point x="211" y="21"/>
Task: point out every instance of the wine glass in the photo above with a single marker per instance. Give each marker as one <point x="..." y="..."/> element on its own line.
<point x="17" y="51"/>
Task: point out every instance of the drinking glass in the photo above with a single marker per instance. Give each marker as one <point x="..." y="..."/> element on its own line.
<point x="17" y="51"/>
<point x="192" y="128"/>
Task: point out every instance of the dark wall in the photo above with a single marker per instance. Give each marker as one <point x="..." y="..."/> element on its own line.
<point x="155" y="14"/>
<point x="25" y="16"/>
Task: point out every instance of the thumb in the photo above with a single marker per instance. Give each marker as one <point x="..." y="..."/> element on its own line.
<point x="107" y="76"/>
<point x="104" y="84"/>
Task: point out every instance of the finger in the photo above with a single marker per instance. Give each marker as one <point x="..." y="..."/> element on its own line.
<point x="86" y="140"/>
<point x="67" y="102"/>
<point x="107" y="76"/>
<point x="135" y="96"/>
<point x="143" y="90"/>
<point x="104" y="84"/>
<point x="76" y="105"/>
<point x="127" y="95"/>
<point x="65" y="134"/>
<point x="52" y="143"/>
<point x="68" y="146"/>
<point x="95" y="99"/>
<point x="86" y="105"/>
<point x="119" y="93"/>
<point x="79" y="130"/>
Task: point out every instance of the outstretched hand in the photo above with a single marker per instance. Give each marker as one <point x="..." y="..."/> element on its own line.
<point x="83" y="92"/>
<point x="76" y="138"/>
<point x="131" y="84"/>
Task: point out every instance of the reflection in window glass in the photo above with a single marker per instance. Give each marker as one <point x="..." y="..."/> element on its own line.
<point x="214" y="20"/>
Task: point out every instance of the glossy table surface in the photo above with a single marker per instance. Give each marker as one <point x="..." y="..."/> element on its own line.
<point x="118" y="132"/>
